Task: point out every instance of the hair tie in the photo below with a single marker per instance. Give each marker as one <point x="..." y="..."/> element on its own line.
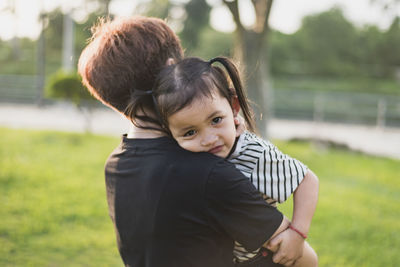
<point x="141" y="92"/>
<point x="211" y="61"/>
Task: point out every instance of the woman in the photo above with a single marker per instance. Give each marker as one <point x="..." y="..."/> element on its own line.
<point x="166" y="213"/>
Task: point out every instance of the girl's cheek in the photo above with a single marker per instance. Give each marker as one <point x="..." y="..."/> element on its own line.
<point x="189" y="145"/>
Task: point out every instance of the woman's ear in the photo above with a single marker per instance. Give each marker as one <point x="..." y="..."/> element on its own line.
<point x="170" y="61"/>
<point x="235" y="105"/>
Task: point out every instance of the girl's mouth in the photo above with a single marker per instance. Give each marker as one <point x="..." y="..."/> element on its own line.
<point x="216" y="149"/>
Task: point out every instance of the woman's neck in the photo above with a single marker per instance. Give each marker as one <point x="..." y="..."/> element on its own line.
<point x="140" y="133"/>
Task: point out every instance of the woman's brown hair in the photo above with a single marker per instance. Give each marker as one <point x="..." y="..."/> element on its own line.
<point x="124" y="56"/>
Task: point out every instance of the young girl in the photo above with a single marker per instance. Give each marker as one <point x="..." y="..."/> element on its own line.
<point x="198" y="107"/>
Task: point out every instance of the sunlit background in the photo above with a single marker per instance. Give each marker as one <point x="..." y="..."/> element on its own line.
<point x="327" y="61"/>
<point x="21" y="17"/>
<point x="325" y="72"/>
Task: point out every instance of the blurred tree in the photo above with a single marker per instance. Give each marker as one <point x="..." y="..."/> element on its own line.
<point x="157" y="8"/>
<point x="391" y="64"/>
<point x="197" y="19"/>
<point x="188" y="18"/>
<point x="53" y="28"/>
<point x="212" y="43"/>
<point x="387" y="4"/>
<point x="369" y="43"/>
<point x="105" y="6"/>
<point x="328" y="43"/>
<point x="102" y="6"/>
<point x="53" y="36"/>
<point x="284" y="55"/>
<point x="251" y="49"/>
<point x="68" y="86"/>
<point x="83" y="32"/>
<point x="16" y="47"/>
<point x="25" y="62"/>
<point x="389" y="48"/>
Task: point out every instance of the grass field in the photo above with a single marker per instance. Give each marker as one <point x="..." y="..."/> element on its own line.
<point x="54" y="213"/>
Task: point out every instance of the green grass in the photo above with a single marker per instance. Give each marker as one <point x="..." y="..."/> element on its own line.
<point x="54" y="212"/>
<point x="358" y="213"/>
<point x="53" y="205"/>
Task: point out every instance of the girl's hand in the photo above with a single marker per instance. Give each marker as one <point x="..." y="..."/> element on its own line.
<point x="287" y="247"/>
<point x="240" y="125"/>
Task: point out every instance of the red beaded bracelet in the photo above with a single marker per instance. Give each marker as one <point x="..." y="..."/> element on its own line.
<point x="298" y="231"/>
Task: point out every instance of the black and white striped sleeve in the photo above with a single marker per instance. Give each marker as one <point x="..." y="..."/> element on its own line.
<point x="272" y="172"/>
<point x="276" y="174"/>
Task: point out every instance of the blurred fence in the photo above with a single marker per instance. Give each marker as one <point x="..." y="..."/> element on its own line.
<point x="322" y="106"/>
<point x="344" y="107"/>
<point x="21" y="88"/>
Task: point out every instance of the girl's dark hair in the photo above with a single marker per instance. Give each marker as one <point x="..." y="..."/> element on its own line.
<point x="178" y="85"/>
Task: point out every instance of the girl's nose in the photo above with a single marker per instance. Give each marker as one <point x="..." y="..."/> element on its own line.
<point x="209" y="139"/>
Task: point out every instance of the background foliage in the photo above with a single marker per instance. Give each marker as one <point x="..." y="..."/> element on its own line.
<point x="326" y="46"/>
<point x="68" y="86"/>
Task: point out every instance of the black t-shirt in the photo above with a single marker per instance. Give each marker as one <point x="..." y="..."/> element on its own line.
<point x="172" y="207"/>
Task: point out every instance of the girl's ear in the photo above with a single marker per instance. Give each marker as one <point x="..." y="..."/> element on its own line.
<point x="235" y="105"/>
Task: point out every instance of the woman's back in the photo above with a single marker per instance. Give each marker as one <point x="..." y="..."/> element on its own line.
<point x="169" y="206"/>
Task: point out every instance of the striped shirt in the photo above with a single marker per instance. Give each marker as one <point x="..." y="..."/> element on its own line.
<point x="273" y="173"/>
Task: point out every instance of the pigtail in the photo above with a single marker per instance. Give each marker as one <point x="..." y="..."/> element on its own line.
<point x="135" y="104"/>
<point x="237" y="84"/>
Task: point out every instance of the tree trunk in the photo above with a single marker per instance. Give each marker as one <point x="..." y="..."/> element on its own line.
<point x="16" y="48"/>
<point x="40" y="63"/>
<point x="250" y="50"/>
<point x="68" y="61"/>
<point x="256" y="80"/>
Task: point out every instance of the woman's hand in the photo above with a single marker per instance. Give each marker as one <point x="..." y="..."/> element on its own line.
<point x="240" y="125"/>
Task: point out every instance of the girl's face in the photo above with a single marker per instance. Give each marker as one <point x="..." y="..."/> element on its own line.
<point x="206" y="125"/>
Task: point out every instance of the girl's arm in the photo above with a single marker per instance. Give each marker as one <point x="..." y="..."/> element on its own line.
<point x="289" y="246"/>
<point x="305" y="200"/>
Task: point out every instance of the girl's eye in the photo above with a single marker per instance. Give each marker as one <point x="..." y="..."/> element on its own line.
<point x="189" y="133"/>
<point x="216" y="120"/>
